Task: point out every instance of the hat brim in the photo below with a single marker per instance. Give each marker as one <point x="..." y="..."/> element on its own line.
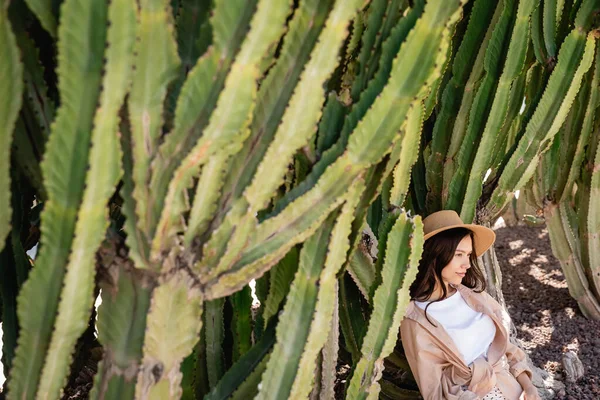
<point x="484" y="236"/>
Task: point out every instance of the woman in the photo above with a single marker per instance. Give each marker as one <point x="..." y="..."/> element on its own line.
<point x="453" y="332"/>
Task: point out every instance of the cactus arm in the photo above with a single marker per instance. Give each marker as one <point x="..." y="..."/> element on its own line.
<point x="11" y="88"/>
<point x="577" y="56"/>
<point x="403" y="252"/>
<point x="549" y="23"/>
<point x="36" y="98"/>
<point x="292" y="377"/>
<point x="43" y="11"/>
<point x="463" y="63"/>
<point x="274" y="94"/>
<point x="587" y="126"/>
<point x="331" y="123"/>
<point x="228" y="124"/>
<point x="241" y="378"/>
<point x="207" y="193"/>
<point x="103" y="174"/>
<point x="301" y="117"/>
<point x="567" y="141"/>
<point x="201" y="90"/>
<point x="353" y="318"/>
<point x="136" y="240"/>
<point x="273" y="238"/>
<point x="478" y="114"/>
<point x="562" y="239"/>
<point x="282" y="367"/>
<point x="326" y="298"/>
<point x="126" y="294"/>
<point x="517" y="94"/>
<point x="593" y="223"/>
<point x="408" y="155"/>
<point x="281" y="277"/>
<point x="241" y="303"/>
<point x="176" y="302"/>
<point x="156" y="64"/>
<point x="214" y="333"/>
<point x="362" y="270"/>
<point x="80" y="53"/>
<point x="408" y="81"/>
<point x="194" y="36"/>
<point x="513" y="67"/>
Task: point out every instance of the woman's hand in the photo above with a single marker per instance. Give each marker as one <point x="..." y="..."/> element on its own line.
<point x="530" y="393"/>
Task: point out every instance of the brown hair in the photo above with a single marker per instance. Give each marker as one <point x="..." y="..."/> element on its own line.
<point x="438" y="252"/>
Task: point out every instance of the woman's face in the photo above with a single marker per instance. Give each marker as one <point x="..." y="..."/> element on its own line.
<point x="455" y="271"/>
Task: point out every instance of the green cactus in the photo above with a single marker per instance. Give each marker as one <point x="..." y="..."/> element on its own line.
<point x="199" y="145"/>
<point x="391" y="299"/>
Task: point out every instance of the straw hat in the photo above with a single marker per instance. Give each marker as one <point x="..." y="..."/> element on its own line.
<point x="447" y="219"/>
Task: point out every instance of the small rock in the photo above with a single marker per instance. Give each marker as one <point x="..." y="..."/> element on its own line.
<point x="572" y="366"/>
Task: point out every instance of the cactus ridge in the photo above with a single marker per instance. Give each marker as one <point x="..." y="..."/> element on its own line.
<point x="326" y="298"/>
<point x="103" y="175"/>
<point x="280" y="277"/>
<point x="11" y="87"/>
<point x="65" y="161"/>
<point x="156" y="65"/>
<point x="408" y="155"/>
<point x="298" y="311"/>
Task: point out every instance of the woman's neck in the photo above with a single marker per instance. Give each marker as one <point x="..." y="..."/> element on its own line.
<point x="438" y="293"/>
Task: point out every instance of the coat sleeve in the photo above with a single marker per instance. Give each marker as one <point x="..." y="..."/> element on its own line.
<point x="429" y="366"/>
<point x="517" y="360"/>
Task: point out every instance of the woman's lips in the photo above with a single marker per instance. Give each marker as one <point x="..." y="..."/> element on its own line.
<point x="461" y="275"/>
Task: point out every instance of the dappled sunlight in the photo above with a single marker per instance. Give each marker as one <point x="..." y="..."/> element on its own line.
<point x="541" y="329"/>
<point x="547" y="278"/>
<point x="515" y="244"/>
<point x="548" y="320"/>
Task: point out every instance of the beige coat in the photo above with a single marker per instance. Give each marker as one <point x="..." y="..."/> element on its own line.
<point x="438" y="366"/>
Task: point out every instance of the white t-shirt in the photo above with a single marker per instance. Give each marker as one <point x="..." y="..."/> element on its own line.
<point x="471" y="331"/>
